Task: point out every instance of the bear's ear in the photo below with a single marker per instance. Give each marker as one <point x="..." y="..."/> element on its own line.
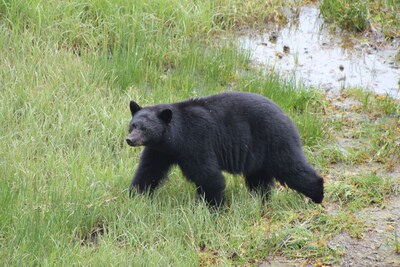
<point x="166" y="115"/>
<point x="134" y="107"/>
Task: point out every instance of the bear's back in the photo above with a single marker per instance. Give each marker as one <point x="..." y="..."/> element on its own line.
<point x="235" y="107"/>
<point x="231" y="101"/>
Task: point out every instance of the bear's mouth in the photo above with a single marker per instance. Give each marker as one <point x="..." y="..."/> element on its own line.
<point x="131" y="142"/>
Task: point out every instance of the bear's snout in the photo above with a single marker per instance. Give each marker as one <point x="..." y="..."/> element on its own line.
<point x="130" y="142"/>
<point x="135" y="138"/>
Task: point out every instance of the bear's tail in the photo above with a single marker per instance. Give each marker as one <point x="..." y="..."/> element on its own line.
<point x="301" y="177"/>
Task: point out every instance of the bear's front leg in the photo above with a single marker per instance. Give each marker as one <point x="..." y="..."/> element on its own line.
<point x="152" y="169"/>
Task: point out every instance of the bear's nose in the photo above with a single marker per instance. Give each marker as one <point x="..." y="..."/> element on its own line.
<point x="130" y="142"/>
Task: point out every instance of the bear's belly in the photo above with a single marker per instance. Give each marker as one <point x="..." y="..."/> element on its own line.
<point x="234" y="159"/>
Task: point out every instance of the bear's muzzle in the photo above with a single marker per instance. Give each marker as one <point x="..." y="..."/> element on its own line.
<point x="135" y="138"/>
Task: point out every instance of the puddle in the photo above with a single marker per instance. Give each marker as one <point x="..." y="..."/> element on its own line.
<point x="304" y="49"/>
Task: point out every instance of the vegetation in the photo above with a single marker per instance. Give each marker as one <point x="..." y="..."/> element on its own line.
<point x="350" y="15"/>
<point x="360" y="15"/>
<point x="396" y="243"/>
<point x="67" y="72"/>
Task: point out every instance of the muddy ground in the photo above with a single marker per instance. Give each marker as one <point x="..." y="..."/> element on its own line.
<point x="376" y="247"/>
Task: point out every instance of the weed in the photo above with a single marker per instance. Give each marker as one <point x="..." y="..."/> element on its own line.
<point x="396" y="243"/>
<point x="397" y="59"/>
<point x="349" y="15"/>
<point x="384" y="15"/>
<point x="360" y="15"/>
<point x="362" y="190"/>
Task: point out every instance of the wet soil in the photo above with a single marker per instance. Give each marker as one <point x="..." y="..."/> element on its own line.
<point x="314" y="55"/>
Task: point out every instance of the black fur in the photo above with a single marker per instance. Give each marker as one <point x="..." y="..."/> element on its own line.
<point x="241" y="133"/>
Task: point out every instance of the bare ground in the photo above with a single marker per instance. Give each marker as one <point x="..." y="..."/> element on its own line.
<point x="377" y="246"/>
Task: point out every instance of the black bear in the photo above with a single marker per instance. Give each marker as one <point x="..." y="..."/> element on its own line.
<point x="238" y="132"/>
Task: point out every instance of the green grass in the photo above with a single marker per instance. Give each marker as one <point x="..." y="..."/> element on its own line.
<point x="385" y="15"/>
<point x="362" y="15"/>
<point x="396" y="243"/>
<point x="356" y="192"/>
<point x="397" y="59"/>
<point x="67" y="72"/>
<point x="347" y="14"/>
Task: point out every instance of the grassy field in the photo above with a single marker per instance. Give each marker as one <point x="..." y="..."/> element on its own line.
<point x="67" y="72"/>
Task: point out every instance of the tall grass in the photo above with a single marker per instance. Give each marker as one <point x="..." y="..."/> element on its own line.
<point x="348" y="14"/>
<point x="360" y="15"/>
<point x="67" y="72"/>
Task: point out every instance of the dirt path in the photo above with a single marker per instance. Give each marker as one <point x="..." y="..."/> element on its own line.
<point x="377" y="246"/>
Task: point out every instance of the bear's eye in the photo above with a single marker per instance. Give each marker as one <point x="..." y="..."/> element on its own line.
<point x="132" y="127"/>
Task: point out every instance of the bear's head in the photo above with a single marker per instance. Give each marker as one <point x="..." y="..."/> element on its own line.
<point x="148" y="125"/>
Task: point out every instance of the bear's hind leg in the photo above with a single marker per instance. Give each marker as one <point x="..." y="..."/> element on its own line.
<point x="212" y="191"/>
<point x="260" y="182"/>
<point x="300" y="176"/>
<point x="208" y="179"/>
